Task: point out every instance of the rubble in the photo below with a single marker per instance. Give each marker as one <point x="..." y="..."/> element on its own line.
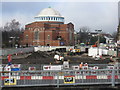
<point x="40" y="54"/>
<point x="41" y="57"/>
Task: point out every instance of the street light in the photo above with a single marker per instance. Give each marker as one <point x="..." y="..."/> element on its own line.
<point x="98" y="31"/>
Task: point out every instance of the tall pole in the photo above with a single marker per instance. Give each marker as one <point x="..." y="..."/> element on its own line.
<point x="98" y="40"/>
<point x="44" y="37"/>
<point x="98" y="44"/>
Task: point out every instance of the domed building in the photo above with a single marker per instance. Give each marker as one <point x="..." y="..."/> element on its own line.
<point x="49" y="14"/>
<point x="48" y="30"/>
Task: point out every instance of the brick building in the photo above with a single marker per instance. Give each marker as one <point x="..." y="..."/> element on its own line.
<point x="48" y="30"/>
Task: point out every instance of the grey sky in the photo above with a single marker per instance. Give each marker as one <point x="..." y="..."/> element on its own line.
<point x="119" y="11"/>
<point x="95" y="15"/>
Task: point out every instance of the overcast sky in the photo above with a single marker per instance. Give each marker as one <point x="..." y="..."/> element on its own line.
<point x="95" y="15"/>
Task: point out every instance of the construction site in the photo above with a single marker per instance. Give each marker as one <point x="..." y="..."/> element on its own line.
<point x="41" y="57"/>
<point x="50" y="52"/>
<point x="57" y="66"/>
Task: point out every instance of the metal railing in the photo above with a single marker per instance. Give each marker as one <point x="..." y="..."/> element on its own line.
<point x="59" y="78"/>
<point x="25" y="67"/>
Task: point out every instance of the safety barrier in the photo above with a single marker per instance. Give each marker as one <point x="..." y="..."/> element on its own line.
<point x="58" y="78"/>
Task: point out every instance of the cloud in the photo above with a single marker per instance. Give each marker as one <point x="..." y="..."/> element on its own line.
<point x="22" y="18"/>
<point x="96" y="15"/>
<point x="59" y="0"/>
<point x="0" y="14"/>
<point x="24" y="12"/>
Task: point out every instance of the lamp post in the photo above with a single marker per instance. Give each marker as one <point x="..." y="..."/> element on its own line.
<point x="44" y="37"/>
<point x="98" y="31"/>
<point x="98" y="44"/>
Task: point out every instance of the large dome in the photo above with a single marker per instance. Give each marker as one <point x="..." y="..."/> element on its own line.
<point x="49" y="14"/>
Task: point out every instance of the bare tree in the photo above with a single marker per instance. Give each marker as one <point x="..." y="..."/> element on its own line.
<point x="10" y="32"/>
<point x="1" y="37"/>
<point x="83" y="36"/>
<point x="85" y="29"/>
<point x="13" y="25"/>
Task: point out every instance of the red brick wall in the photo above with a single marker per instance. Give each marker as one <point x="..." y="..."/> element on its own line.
<point x="53" y="30"/>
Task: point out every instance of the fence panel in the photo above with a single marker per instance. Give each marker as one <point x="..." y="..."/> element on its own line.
<point x="57" y="78"/>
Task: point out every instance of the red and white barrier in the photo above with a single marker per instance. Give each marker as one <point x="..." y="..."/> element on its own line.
<point x="60" y="77"/>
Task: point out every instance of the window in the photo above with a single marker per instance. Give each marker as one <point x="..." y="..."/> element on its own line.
<point x="26" y="37"/>
<point x="36" y="35"/>
<point x="48" y="18"/>
<point x="48" y="37"/>
<point x="51" y="18"/>
<point x="43" y="18"/>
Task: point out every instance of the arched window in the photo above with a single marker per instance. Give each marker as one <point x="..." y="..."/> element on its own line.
<point x="36" y="35"/>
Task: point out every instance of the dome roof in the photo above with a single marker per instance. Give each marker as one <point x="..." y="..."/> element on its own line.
<point x="49" y="12"/>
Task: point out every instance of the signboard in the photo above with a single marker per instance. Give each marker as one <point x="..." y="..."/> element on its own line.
<point x="15" y="65"/>
<point x="9" y="81"/>
<point x="61" y="43"/>
<point x="69" y="79"/>
<point x="7" y="68"/>
<point x="75" y="67"/>
<point x="15" y="69"/>
<point x="32" y="68"/>
<point x="52" y="67"/>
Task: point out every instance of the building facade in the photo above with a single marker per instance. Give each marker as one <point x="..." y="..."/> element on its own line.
<point x="118" y="33"/>
<point x="118" y="30"/>
<point x="48" y="30"/>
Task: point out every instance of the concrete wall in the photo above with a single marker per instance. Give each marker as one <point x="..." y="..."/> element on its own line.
<point x="16" y="50"/>
<point x="43" y="48"/>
